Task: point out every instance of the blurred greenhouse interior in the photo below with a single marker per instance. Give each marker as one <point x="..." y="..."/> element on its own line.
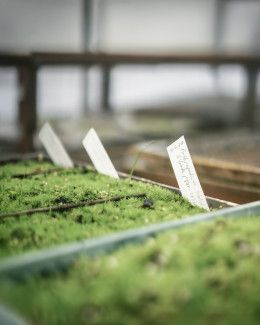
<point x="137" y="71"/>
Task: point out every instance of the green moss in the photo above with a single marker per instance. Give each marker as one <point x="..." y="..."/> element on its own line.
<point x="204" y="274"/>
<point x="24" y="167"/>
<point x="46" y="229"/>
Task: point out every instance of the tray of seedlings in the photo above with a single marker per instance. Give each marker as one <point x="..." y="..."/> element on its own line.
<point x="64" y="256"/>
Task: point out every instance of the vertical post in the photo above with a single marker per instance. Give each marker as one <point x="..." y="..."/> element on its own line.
<point x="219" y="7"/>
<point x="86" y="35"/>
<point x="27" y="106"/>
<point x="219" y="15"/>
<point x="87" y="23"/>
<point x="105" y="88"/>
<point x="249" y="103"/>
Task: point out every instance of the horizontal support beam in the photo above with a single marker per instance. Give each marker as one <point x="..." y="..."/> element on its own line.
<point x="88" y="58"/>
<point x="116" y="58"/>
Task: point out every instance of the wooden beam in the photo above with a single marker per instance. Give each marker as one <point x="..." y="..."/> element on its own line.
<point x="249" y="104"/>
<point x="89" y="58"/>
<point x="27" y="107"/>
<point x="105" y="88"/>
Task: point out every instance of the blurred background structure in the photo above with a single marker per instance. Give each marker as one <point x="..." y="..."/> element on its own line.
<point x="135" y="70"/>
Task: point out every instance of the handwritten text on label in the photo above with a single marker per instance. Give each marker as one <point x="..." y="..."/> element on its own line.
<point x="186" y="174"/>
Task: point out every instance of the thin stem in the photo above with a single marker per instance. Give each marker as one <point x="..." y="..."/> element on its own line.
<point x="138" y="157"/>
<point x="68" y="206"/>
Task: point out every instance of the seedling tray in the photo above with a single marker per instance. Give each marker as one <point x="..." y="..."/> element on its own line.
<point x="48" y="205"/>
<point x="47" y="261"/>
<point x="60" y="258"/>
<point x="213" y="266"/>
<point x="39" y="178"/>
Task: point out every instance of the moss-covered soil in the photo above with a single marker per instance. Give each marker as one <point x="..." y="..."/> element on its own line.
<point x="28" y="232"/>
<point x="204" y="274"/>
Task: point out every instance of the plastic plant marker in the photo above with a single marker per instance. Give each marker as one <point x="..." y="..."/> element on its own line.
<point x="185" y="173"/>
<point x="54" y="147"/>
<point x="98" y="154"/>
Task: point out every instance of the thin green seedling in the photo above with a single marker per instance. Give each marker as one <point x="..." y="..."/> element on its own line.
<point x="20" y="191"/>
<point x="138" y="156"/>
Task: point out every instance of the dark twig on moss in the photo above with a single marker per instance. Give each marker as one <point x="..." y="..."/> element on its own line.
<point x="68" y="206"/>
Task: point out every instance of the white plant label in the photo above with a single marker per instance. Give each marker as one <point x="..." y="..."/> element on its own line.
<point x="185" y="173"/>
<point x="98" y="154"/>
<point x="54" y="147"/>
